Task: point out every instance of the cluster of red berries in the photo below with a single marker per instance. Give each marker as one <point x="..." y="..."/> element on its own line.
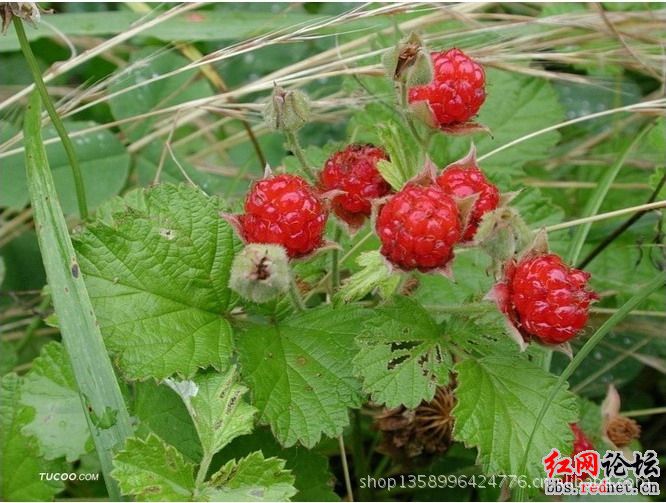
<point x="420" y="225"/>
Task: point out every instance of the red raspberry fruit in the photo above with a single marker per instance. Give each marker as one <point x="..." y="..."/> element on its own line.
<point x="463" y="181"/>
<point x="354" y="171"/>
<point x="418" y="228"/>
<point x="547" y="299"/>
<point x="284" y="210"/>
<point x="581" y="442"/>
<point x="457" y="90"/>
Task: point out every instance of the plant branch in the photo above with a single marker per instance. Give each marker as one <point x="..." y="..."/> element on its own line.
<point x="620" y="230"/>
<point x="345" y="468"/>
<point x="295" y="146"/>
<point x="296" y="298"/>
<point x="55" y="118"/>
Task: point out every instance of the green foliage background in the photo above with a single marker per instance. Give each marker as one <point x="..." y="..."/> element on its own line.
<point x="258" y="395"/>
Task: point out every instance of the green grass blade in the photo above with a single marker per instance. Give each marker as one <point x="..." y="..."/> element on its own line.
<point x="105" y="408"/>
<point x="55" y="119"/>
<point x="598" y="196"/>
<point x="587" y="348"/>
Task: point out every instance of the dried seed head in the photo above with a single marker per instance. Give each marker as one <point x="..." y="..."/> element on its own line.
<point x="28" y="11"/>
<point x="414" y="435"/>
<point x="622" y="430"/>
<point x="260" y="272"/>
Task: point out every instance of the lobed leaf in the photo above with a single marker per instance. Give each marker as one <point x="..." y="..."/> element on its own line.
<point x="499" y="398"/>
<point x="252" y="478"/>
<point x="152" y="470"/>
<point x="300" y="372"/>
<point x="59" y="422"/>
<point x="20" y="464"/>
<point x="157" y="275"/>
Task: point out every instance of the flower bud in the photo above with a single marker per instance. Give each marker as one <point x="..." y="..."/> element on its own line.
<point x="287" y="110"/>
<point x="409" y="62"/>
<point x="260" y="272"/>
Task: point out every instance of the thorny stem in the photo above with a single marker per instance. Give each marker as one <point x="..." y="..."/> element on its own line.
<point x="345" y="468"/>
<point x="617" y="232"/>
<point x="55" y="118"/>
<point x="295" y="146"/>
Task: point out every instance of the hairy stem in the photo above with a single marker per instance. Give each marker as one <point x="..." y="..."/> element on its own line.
<point x="296" y="298"/>
<point x="295" y="146"/>
<point x="55" y="118"/>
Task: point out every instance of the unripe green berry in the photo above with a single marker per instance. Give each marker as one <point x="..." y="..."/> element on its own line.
<point x="287" y="110"/>
<point x="260" y="272"/>
<point x="408" y="62"/>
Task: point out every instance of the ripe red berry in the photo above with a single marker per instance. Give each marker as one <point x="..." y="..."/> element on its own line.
<point x="463" y="181"/>
<point x="581" y="442"/>
<point x="284" y="210"/>
<point x="418" y="228"/>
<point x="354" y="171"/>
<point x="546" y="299"/>
<point x="457" y="90"/>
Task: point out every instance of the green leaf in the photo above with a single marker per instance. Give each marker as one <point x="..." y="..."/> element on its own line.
<point x="162" y="412"/>
<point x="215" y="403"/>
<point x="152" y="470"/>
<point x="300" y="372"/>
<point x="158" y="277"/>
<point x="8" y="357"/>
<point x="59" y="425"/>
<point x="313" y="479"/>
<point x="402" y="358"/>
<point x="103" y="159"/>
<point x="376" y="273"/>
<point x="498" y="401"/>
<point x="252" y="478"/>
<point x="20" y="465"/>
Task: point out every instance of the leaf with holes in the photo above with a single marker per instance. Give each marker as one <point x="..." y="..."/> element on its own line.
<point x="157" y="275"/>
<point x="401" y="355"/>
